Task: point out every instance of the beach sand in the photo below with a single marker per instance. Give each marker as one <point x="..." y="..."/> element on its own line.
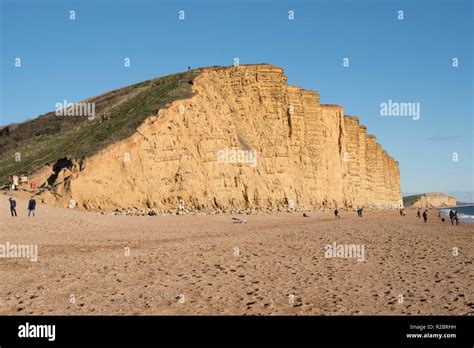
<point x="204" y="264"/>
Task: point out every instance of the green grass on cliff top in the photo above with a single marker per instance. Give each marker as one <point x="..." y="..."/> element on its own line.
<point x="49" y="138"/>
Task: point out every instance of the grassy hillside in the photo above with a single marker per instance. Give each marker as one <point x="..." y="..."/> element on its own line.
<point x="409" y="200"/>
<point x="118" y="113"/>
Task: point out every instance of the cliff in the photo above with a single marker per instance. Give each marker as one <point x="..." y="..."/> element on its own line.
<point x="429" y="200"/>
<point x="244" y="140"/>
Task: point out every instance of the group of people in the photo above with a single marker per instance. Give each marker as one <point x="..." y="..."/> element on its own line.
<point x="425" y="215"/>
<point x="454" y="217"/>
<point x="359" y="212"/>
<point x="31" y="206"/>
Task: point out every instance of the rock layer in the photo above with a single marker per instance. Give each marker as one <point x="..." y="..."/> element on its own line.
<point x="307" y="155"/>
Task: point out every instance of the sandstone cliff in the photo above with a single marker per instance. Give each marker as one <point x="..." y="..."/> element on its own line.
<point x="306" y="154"/>
<point x="429" y="200"/>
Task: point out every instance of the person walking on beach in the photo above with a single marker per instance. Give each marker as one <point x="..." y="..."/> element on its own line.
<point x="418" y="214"/>
<point x="360" y="212"/>
<point x="336" y="213"/>
<point x="451" y="216"/>
<point x="425" y="215"/>
<point x="12" y="206"/>
<point x="31" y="206"/>
<point x="456" y="217"/>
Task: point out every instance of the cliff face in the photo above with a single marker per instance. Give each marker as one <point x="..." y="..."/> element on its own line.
<point x="292" y="150"/>
<point x="429" y="200"/>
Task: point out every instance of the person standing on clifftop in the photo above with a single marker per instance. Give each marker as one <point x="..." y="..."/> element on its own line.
<point x="31" y="206"/>
<point x="12" y="206"/>
<point x="425" y="215"/>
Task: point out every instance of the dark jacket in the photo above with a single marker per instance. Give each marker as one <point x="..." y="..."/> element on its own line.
<point x="12" y="204"/>
<point x="31" y="204"/>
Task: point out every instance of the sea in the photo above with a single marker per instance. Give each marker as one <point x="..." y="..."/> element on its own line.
<point x="466" y="212"/>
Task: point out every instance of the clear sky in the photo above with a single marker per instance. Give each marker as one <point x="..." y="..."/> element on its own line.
<point x="409" y="60"/>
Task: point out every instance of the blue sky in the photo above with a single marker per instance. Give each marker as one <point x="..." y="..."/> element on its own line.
<point x="405" y="61"/>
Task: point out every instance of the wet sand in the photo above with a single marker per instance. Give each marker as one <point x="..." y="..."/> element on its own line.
<point x="273" y="265"/>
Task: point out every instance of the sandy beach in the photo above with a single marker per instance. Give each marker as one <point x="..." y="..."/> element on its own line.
<point x="92" y="264"/>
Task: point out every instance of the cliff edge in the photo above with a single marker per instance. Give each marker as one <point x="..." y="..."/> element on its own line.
<point x="243" y="140"/>
<point x="429" y="200"/>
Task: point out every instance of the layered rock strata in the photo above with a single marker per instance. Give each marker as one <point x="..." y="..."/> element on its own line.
<point x="245" y="140"/>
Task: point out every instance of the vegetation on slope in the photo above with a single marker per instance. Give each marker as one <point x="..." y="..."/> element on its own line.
<point x="49" y="138"/>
